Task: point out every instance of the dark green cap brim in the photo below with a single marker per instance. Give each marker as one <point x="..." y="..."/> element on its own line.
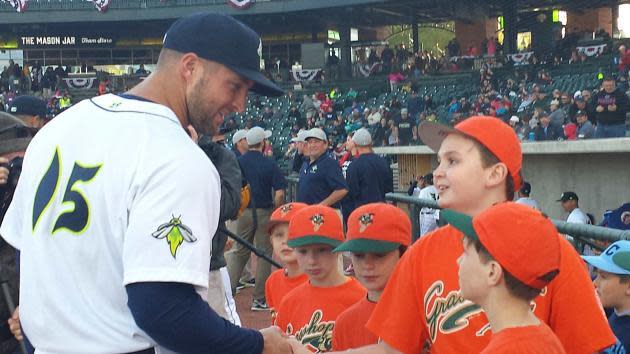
<point x="312" y="240"/>
<point x="461" y="222"/>
<point x="364" y="245"/>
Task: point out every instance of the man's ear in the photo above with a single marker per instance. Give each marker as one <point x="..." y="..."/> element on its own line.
<point x="188" y="63"/>
<point x="494" y="273"/>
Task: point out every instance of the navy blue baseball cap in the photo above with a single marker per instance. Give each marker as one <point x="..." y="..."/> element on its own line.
<point x="28" y="105"/>
<point x="222" y="39"/>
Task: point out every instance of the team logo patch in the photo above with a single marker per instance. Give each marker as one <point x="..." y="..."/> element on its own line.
<point x="317" y="220"/>
<point x="365" y="220"/>
<point x="285" y="209"/>
<point x="175" y="233"/>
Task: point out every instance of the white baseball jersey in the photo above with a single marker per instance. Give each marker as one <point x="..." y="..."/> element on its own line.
<point x="578" y="216"/>
<point x="112" y="192"/>
<point x="428" y="216"/>
<point x="528" y="201"/>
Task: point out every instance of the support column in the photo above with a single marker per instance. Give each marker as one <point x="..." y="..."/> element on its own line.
<point x="414" y="35"/>
<point x="511" y="29"/>
<point x="346" y="51"/>
<point x="615" y="18"/>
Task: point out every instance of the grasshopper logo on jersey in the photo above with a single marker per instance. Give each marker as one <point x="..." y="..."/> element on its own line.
<point x="175" y="232"/>
<point x="316" y="335"/>
<point x="317" y="220"/>
<point x="365" y="220"/>
<point x="285" y="209"/>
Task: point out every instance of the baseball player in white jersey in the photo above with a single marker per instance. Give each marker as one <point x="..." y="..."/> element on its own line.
<point x="428" y="216"/>
<point x="116" y="205"/>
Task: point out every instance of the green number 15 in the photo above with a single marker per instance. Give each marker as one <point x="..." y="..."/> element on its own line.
<point x="76" y="217"/>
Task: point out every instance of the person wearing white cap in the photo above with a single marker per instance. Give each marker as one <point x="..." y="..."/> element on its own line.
<point x="369" y="177"/>
<point x="265" y="180"/>
<point x="300" y="153"/>
<point x="321" y="180"/>
<point x="239" y="143"/>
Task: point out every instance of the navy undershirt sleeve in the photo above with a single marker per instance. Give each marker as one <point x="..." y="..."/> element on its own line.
<point x="177" y="318"/>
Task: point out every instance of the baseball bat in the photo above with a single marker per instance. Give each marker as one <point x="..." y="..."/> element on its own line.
<point x="249" y="246"/>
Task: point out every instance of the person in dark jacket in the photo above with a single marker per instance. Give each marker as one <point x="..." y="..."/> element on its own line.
<point x="546" y="131"/>
<point x="611" y="105"/>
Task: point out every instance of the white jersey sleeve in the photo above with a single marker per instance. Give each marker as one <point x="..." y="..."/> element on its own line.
<point x="577" y="216"/>
<point x="172" y="217"/>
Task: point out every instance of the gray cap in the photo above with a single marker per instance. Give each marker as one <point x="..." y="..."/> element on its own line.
<point x="315" y="133"/>
<point x="256" y="135"/>
<point x="404" y="110"/>
<point x="238" y="136"/>
<point x="300" y="137"/>
<point x="362" y="137"/>
<point x="14" y="134"/>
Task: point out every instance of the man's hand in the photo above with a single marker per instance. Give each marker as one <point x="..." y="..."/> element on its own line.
<point x="612" y="107"/>
<point x="276" y="342"/>
<point x="297" y="347"/>
<point x="599" y="108"/>
<point x="228" y="245"/>
<point x="193" y="133"/>
<point x="14" y="324"/>
<point x="4" y="172"/>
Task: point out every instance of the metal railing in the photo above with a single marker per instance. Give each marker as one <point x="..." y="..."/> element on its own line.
<point x="43" y="5"/>
<point x="582" y="234"/>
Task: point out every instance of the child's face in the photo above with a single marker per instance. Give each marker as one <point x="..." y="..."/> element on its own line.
<point x="471" y="273"/>
<point x="460" y="176"/>
<point x="317" y="262"/>
<point x="279" y="237"/>
<point x="610" y="289"/>
<point x="373" y="269"/>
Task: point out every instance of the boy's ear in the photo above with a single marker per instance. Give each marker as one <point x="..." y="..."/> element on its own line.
<point x="497" y="174"/>
<point x="494" y="273"/>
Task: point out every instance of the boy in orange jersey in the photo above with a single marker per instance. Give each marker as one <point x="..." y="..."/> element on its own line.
<point x="511" y="252"/>
<point x="309" y="311"/>
<point x="281" y="281"/>
<point x="479" y="166"/>
<point x="378" y="235"/>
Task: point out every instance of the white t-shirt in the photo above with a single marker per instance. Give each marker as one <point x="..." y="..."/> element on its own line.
<point x="528" y="201"/>
<point x="577" y="216"/>
<point x="112" y="192"/>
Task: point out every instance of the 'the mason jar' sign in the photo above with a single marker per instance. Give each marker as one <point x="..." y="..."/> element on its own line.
<point x="65" y="41"/>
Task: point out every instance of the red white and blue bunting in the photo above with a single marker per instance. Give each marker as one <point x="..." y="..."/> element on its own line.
<point x="18" y="5"/>
<point x="305" y="74"/>
<point x="101" y="5"/>
<point x="366" y="70"/>
<point x="458" y="58"/>
<point x="591" y="50"/>
<point x="519" y="58"/>
<point x="76" y="83"/>
<point x="240" y="4"/>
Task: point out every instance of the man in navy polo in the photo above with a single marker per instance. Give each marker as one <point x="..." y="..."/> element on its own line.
<point x="369" y="176"/>
<point x="321" y="181"/>
<point x="267" y="193"/>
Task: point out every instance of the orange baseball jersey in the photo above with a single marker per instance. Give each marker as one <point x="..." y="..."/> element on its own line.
<point x="277" y="286"/>
<point x="350" y="331"/>
<point x="421" y="303"/>
<point x="309" y="312"/>
<point x="525" y="340"/>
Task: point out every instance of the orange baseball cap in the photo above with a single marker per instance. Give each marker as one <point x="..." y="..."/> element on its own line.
<point x="520" y="238"/>
<point x="315" y="224"/>
<point x="376" y="228"/>
<point x="498" y="137"/>
<point x="283" y="214"/>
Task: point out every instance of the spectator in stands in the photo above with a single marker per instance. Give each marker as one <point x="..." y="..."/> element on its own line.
<point x="294" y="113"/>
<point x="380" y="133"/>
<point x="395" y="77"/>
<point x="374" y="117"/>
<point x="321" y="180"/>
<point x="414" y="105"/>
<point x="557" y="115"/>
<point x="569" y="202"/>
<point x="570" y="131"/>
<point x="300" y="151"/>
<point x="585" y="129"/>
<point x="580" y="104"/>
<point x="369" y="176"/>
<point x="523" y="196"/>
<point x="405" y="129"/>
<point x="30" y="110"/>
<point x="624" y="61"/>
<point x="515" y="123"/>
<point x="142" y="71"/>
<point x="545" y="131"/>
<point x="611" y="106"/>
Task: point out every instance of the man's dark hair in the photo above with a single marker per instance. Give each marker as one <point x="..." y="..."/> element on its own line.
<point x="515" y="287"/>
<point x="609" y="78"/>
